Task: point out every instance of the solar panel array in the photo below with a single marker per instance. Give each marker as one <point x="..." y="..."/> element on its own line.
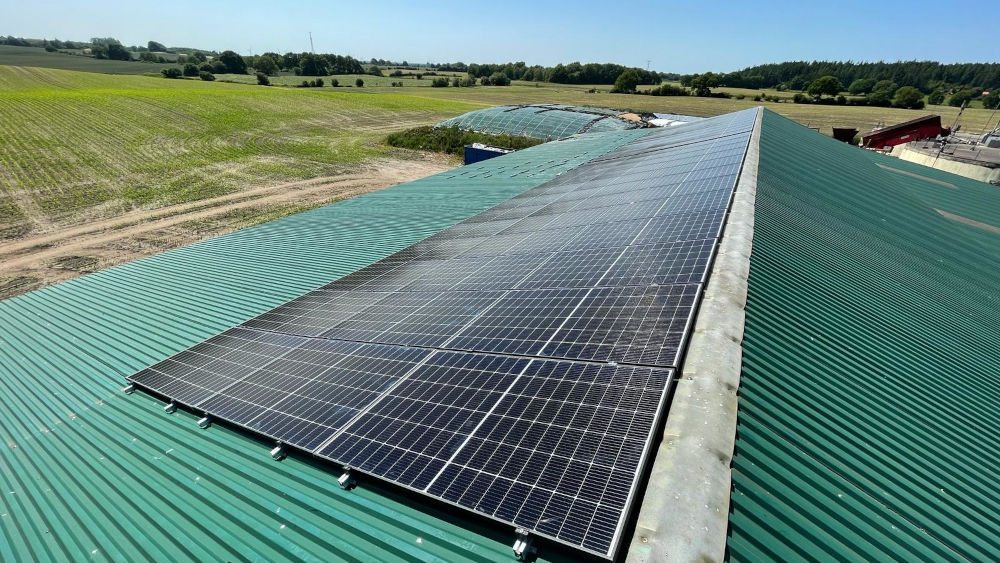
<point x="516" y="364"/>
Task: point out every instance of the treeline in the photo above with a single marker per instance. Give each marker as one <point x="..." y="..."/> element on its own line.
<point x="54" y="43"/>
<point x="572" y="73"/>
<point x="305" y="64"/>
<point x="926" y="76"/>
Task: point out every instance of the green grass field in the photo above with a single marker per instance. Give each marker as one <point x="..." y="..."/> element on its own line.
<point x="34" y="56"/>
<point x="75" y="145"/>
<point x="812" y="115"/>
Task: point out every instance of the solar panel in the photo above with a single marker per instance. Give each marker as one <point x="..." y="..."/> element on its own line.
<point x="515" y="364"/>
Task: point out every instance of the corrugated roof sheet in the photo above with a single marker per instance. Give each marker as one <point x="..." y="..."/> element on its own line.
<point x="86" y="473"/>
<point x="870" y="398"/>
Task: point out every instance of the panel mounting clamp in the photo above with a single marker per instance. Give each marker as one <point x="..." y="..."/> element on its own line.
<point x="170" y="407"/>
<point x="204" y="422"/>
<point x="523" y="548"/>
<point x="278" y="453"/>
<point x="347" y="480"/>
<point x="129" y="389"/>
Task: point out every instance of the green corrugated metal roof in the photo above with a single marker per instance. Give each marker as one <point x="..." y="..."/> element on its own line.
<point x="868" y="406"/>
<point x="87" y="473"/>
<point x="870" y="397"/>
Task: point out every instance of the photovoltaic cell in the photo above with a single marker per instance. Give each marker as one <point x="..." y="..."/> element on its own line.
<point x="514" y="364"/>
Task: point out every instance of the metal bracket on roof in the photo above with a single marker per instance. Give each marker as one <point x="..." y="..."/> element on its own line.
<point x="129" y="389"/>
<point x="278" y="453"/>
<point x="347" y="480"/>
<point x="523" y="548"/>
<point x="170" y="407"/>
<point x="204" y="422"/>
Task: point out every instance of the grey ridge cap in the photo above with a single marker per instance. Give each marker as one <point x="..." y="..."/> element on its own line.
<point x="685" y="510"/>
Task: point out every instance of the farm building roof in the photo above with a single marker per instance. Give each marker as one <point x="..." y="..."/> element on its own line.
<point x="89" y="473"/>
<point x="869" y="400"/>
<point x="931" y="122"/>
<point x="541" y="121"/>
<point x="861" y="295"/>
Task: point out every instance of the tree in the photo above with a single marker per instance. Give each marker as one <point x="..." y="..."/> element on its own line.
<point x="147" y="57"/>
<point x="936" y="97"/>
<point x="234" y="62"/>
<point x="190" y="70"/>
<point x="312" y="65"/>
<point x="289" y="61"/>
<point x="558" y="74"/>
<point x="882" y="93"/>
<point x="829" y="85"/>
<point x="992" y="100"/>
<point x="118" y="53"/>
<point x="885" y="86"/>
<point x="262" y="79"/>
<point x="172" y="72"/>
<point x="908" y="97"/>
<point x="267" y="65"/>
<point x="961" y="97"/>
<point x="797" y="82"/>
<point x="95" y="41"/>
<point x="334" y="82"/>
<point x="439" y="82"/>
<point x="155" y="46"/>
<point x="881" y="98"/>
<point x="702" y="84"/>
<point x="626" y="82"/>
<point x="359" y="83"/>
<point x="219" y="67"/>
<point x="861" y="86"/>
<point x="206" y="76"/>
<point x="499" y="79"/>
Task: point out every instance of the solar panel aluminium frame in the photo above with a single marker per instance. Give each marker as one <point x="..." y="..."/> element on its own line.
<point x="642" y="468"/>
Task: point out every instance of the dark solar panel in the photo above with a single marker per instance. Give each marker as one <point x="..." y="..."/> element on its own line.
<point x="514" y="364"/>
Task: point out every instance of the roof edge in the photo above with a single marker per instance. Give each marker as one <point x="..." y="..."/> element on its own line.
<point x="685" y="511"/>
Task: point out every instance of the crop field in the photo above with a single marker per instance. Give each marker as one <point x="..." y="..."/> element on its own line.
<point x="822" y="116"/>
<point x="88" y="151"/>
<point x="97" y="169"/>
<point x="74" y="141"/>
<point x="33" y="56"/>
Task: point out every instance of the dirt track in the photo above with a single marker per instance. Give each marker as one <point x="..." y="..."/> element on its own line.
<point x="61" y="253"/>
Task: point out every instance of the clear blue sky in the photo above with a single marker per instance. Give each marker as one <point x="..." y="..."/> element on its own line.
<point x="688" y="36"/>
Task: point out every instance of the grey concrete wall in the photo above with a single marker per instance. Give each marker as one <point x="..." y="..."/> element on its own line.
<point x="981" y="173"/>
<point x="685" y="511"/>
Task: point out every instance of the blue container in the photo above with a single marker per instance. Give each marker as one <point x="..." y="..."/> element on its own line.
<point x="478" y="152"/>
